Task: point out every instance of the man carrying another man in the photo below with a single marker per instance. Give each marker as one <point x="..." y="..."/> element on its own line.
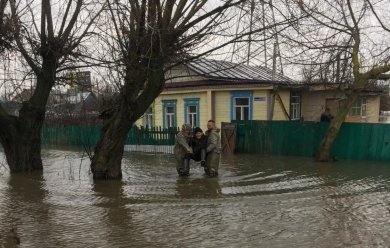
<point x="196" y="149"/>
<point x="213" y="149"/>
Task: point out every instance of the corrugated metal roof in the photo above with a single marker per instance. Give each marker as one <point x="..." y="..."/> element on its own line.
<point x="218" y="69"/>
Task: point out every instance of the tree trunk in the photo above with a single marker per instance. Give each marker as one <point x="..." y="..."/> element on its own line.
<point x="106" y="161"/>
<point x="323" y="153"/>
<point x="22" y="140"/>
<point x="21" y="136"/>
<point x="140" y="89"/>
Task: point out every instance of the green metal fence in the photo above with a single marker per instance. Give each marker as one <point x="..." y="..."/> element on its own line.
<point x="89" y="136"/>
<point x="70" y="136"/>
<point x="152" y="136"/>
<point x="360" y="141"/>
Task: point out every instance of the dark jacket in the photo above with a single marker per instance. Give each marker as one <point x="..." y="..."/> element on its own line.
<point x="326" y="117"/>
<point x="198" y="144"/>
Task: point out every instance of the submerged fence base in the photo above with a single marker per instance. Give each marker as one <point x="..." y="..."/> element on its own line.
<point x="149" y="148"/>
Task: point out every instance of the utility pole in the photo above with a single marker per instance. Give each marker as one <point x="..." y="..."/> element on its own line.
<point x="250" y="30"/>
<point x="264" y="35"/>
<point x="276" y="52"/>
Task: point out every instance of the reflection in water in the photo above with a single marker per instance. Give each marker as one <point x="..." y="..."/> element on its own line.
<point x="25" y="209"/>
<point x="257" y="201"/>
<point x="198" y="187"/>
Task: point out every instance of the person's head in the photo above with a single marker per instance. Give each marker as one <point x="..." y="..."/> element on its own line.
<point x="210" y="124"/>
<point x="327" y="110"/>
<point x="186" y="129"/>
<point x="198" y="132"/>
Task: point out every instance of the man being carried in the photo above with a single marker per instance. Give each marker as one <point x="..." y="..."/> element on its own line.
<point x="199" y="145"/>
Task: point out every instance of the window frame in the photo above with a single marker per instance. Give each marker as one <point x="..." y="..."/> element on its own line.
<point x="166" y="104"/>
<point x="188" y="102"/>
<point x="359" y="107"/>
<point x="241" y="94"/>
<point x="148" y="117"/>
<point x="295" y="107"/>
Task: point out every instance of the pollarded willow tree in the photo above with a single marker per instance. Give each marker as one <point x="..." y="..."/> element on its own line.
<point x="350" y="35"/>
<point x="150" y="36"/>
<point x="48" y="36"/>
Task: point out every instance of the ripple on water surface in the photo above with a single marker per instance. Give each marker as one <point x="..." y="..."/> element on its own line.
<point x="257" y="201"/>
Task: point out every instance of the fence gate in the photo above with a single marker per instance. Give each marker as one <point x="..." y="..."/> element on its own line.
<point x="228" y="137"/>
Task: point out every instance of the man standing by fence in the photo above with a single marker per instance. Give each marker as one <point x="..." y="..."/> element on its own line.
<point x="213" y="149"/>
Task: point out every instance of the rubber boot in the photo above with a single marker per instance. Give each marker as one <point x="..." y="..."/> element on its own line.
<point x="186" y="165"/>
<point x="203" y="157"/>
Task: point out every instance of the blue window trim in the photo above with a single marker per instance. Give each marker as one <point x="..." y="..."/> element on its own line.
<point x="169" y="103"/>
<point x="188" y="102"/>
<point x="235" y="94"/>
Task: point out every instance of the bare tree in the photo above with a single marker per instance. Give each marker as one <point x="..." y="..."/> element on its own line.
<point x="150" y="37"/>
<point x="47" y="38"/>
<point x="343" y="42"/>
<point x="5" y="27"/>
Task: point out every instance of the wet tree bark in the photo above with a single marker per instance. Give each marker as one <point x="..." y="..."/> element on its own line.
<point x="132" y="103"/>
<point x="106" y="161"/>
<point x="20" y="135"/>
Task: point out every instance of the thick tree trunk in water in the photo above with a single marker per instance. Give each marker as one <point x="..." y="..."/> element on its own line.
<point x="142" y="86"/>
<point x="323" y="153"/>
<point x="21" y="136"/>
<point x="106" y="161"/>
<point x="21" y="140"/>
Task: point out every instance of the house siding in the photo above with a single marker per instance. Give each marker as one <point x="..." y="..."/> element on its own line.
<point x="180" y="97"/>
<point x="373" y="109"/>
<point x="222" y="106"/>
<point x="260" y="108"/>
<point x="182" y="74"/>
<point x="279" y="114"/>
<point x="314" y="103"/>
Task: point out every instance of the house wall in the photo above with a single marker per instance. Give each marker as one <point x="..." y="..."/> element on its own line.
<point x="223" y="108"/>
<point x="260" y="106"/>
<point x="180" y="97"/>
<point x="314" y="103"/>
<point x="182" y="74"/>
<point x="373" y="109"/>
<point x="279" y="114"/>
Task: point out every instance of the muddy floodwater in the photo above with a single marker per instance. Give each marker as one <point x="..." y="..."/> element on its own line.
<point x="257" y="201"/>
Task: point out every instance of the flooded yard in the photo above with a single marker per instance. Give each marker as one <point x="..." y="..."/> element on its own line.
<point x="257" y="201"/>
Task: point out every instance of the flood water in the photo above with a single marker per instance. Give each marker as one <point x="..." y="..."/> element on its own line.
<point x="257" y="201"/>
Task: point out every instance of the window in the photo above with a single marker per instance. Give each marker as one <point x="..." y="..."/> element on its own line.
<point x="241" y="104"/>
<point x="295" y="106"/>
<point x="148" y="117"/>
<point x="169" y="113"/>
<point x="359" y="108"/>
<point x="191" y="111"/>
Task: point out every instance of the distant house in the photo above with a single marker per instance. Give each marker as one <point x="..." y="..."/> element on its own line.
<point x="317" y="97"/>
<point x="209" y="89"/>
<point x="224" y="91"/>
<point x="79" y="103"/>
